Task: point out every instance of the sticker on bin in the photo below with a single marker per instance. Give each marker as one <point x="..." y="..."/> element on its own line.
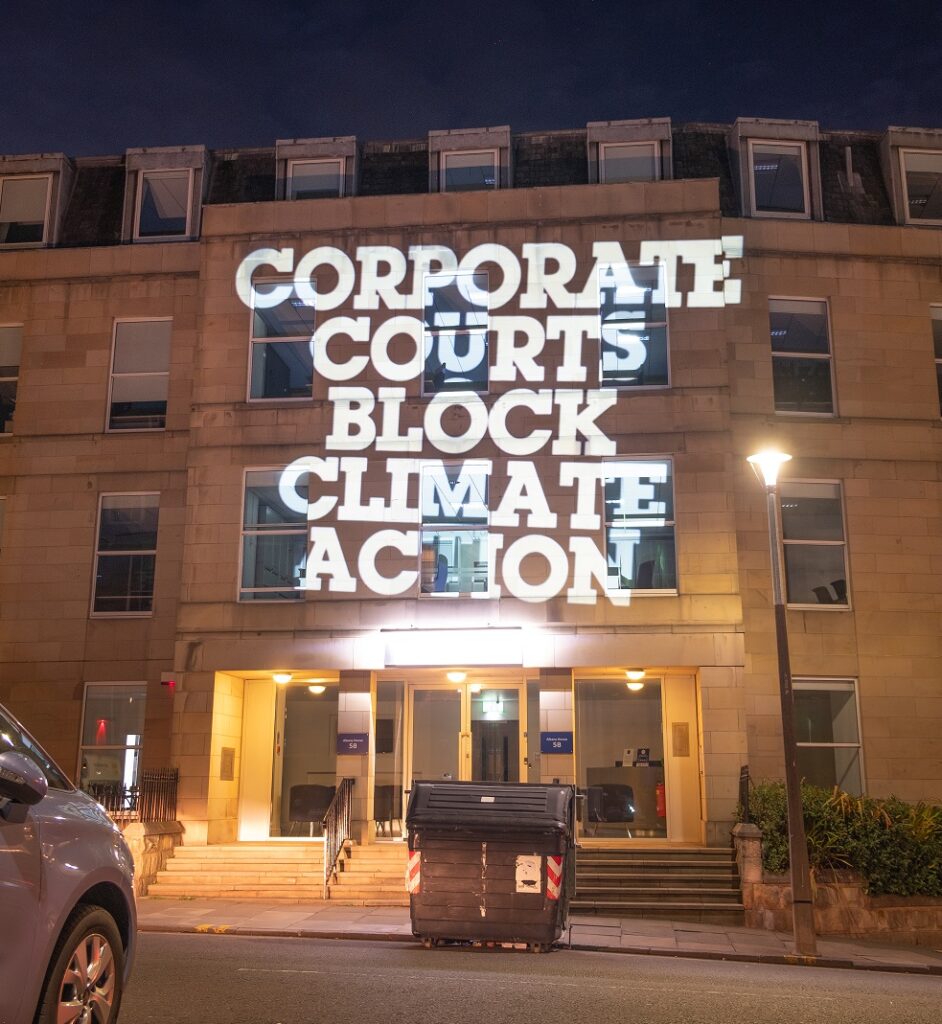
<point x="554" y="877"/>
<point x="414" y="872"/>
<point x="528" y="873"/>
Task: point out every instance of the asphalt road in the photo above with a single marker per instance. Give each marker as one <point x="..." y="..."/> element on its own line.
<point x="221" y="979"/>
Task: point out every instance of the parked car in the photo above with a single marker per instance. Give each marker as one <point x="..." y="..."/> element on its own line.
<point x="67" y="914"/>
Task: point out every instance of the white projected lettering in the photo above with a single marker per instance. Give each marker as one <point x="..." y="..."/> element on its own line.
<point x="582" y="522"/>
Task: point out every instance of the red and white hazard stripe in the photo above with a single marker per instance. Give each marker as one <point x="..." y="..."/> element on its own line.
<point x="554" y="877"/>
<point x="414" y="872"/>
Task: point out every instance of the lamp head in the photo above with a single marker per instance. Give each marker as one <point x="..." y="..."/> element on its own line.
<point x="767" y="463"/>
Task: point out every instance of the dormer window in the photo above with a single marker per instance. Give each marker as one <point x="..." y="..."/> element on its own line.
<point x="779" y="178"/>
<point x="469" y="171"/>
<point x="315" y="179"/>
<point x="922" y="185"/>
<point x="629" y="161"/>
<point x="163" y="204"/>
<point x="24" y="209"/>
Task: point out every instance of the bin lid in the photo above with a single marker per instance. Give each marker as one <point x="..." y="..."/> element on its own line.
<point x="489" y="806"/>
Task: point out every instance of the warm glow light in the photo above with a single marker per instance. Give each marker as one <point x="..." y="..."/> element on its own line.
<point x="456" y="676"/>
<point x="475" y="687"/>
<point x="635" y="686"/>
<point x="316" y="690"/>
<point x="282" y="677"/>
<point x="768" y="462"/>
<point x="635" y="674"/>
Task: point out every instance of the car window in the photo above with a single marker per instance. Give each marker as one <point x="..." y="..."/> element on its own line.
<point x="12" y="737"/>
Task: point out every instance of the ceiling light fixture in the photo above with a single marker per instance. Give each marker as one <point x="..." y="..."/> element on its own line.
<point x="282" y="677"/>
<point x="317" y="690"/>
<point x="456" y="676"/>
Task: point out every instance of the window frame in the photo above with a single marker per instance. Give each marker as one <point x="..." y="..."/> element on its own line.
<point x="442" y="168"/>
<point x="148" y="373"/>
<point x="293" y="161"/>
<point x="907" y="219"/>
<point x="93" y="614"/>
<point x="110" y="746"/>
<point x="621" y="386"/>
<point x="434" y="332"/>
<point x="631" y="144"/>
<point x="304" y="530"/>
<point x="773" y="355"/>
<point x="16" y="379"/>
<point x="800" y="144"/>
<point x="633" y="592"/>
<point x="833" y="684"/>
<point x="253" y="341"/>
<point x="157" y="172"/>
<point x="22" y="177"/>
<point x="935" y="315"/>
<point x="848" y="605"/>
<point x="489" y="589"/>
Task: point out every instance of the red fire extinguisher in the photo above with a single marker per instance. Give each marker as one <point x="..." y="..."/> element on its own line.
<point x="660" y="802"/>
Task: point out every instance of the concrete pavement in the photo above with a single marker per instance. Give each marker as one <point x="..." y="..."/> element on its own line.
<point x="326" y="920"/>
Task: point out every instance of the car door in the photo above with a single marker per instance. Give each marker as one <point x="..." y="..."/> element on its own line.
<point x="20" y="877"/>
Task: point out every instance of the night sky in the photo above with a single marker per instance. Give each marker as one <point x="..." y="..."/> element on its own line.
<point x="92" y="77"/>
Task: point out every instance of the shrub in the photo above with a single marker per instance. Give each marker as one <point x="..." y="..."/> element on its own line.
<point x="894" y="846"/>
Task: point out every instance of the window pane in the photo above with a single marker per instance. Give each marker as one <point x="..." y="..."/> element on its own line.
<point x="138" y="402"/>
<point x="456" y="301"/>
<point x="797" y="326"/>
<point x="142" y="346"/>
<point x="125" y="583"/>
<point x="802" y="385"/>
<point x="467" y="171"/>
<point x="637" y="162"/>
<point x="938" y="380"/>
<point x="924" y="185"/>
<point x="11" y="341"/>
<point x="128" y="522"/>
<point x="112" y="713"/>
<point x="7" y="405"/>
<point x="829" y="767"/>
<point x="455" y="362"/>
<point x="936" y="312"/>
<point x="815" y="574"/>
<point x="454" y="561"/>
<point x="777" y="174"/>
<point x="634" y="357"/>
<point x="826" y="715"/>
<point x="641" y="558"/>
<point x="289" y="319"/>
<point x="283" y="369"/>
<point x="22" y="210"/>
<point x="631" y="295"/>
<point x="454" y="494"/>
<point x="639" y="493"/>
<point x="318" y="179"/>
<point x="275" y="562"/>
<point x="811" y="511"/>
<point x="264" y="505"/>
<point x="163" y="204"/>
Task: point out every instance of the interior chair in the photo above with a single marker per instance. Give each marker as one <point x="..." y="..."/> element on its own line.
<point x="308" y="803"/>
<point x="387" y="807"/>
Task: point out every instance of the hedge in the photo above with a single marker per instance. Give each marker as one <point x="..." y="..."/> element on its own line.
<point x="895" y="847"/>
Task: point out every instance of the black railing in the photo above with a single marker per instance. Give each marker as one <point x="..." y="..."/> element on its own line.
<point x="745" y="814"/>
<point x="154" y="798"/>
<point x="336" y="824"/>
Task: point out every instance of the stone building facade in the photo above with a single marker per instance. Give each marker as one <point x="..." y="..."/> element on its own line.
<point x="450" y="435"/>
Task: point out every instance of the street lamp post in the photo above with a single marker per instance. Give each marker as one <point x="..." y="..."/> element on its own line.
<point x="766" y="465"/>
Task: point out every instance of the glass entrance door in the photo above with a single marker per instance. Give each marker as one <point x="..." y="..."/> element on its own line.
<point x="468" y="732"/>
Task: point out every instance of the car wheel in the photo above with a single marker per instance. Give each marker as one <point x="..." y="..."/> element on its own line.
<point x="85" y="978"/>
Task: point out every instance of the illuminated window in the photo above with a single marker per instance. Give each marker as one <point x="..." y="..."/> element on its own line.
<point x="11" y="340"/>
<point x="140" y="371"/>
<point x="633" y="311"/>
<point x="468" y="171"/>
<point x="813" y="543"/>
<point x="274" y="539"/>
<point x="454" y="528"/>
<point x="315" y="179"/>
<point x="801" y="356"/>
<point x="629" y="161"/>
<point x="126" y="554"/>
<point x="639" y="525"/>
<point x="827" y="728"/>
<point x="163" y="204"/>
<point x="112" y="730"/>
<point x="24" y="202"/>
<point x="455" y="333"/>
<point x="922" y="178"/>
<point x="936" y="312"/>
<point x="282" y="365"/>
<point x="779" y="178"/>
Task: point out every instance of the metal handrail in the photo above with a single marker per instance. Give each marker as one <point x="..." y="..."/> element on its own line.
<point x="336" y="822"/>
<point x="152" y="799"/>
